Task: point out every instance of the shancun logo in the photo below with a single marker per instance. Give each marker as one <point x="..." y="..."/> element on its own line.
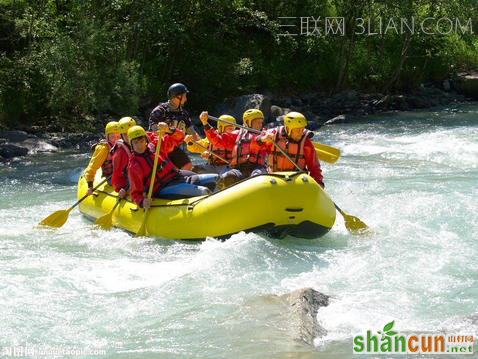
<point x="386" y="331"/>
<point x="391" y="342"/>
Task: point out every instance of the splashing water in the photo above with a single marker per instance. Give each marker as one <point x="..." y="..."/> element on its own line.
<point x="411" y="177"/>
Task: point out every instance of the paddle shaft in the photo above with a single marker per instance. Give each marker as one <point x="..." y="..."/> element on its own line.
<point x="142" y="229"/>
<point x="155" y="166"/>
<point x="338" y="209"/>
<point x="208" y="150"/>
<point x="234" y="124"/>
<point x="84" y="197"/>
<point x="116" y="205"/>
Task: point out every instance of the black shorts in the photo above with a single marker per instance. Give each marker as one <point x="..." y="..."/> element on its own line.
<point x="178" y="157"/>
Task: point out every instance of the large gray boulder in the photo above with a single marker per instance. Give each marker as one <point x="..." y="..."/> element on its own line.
<point x="236" y="106"/>
<point x="14" y="136"/>
<point x="349" y="95"/>
<point x="11" y="150"/>
<point x="275" y="112"/>
<point x="304" y="304"/>
<point x="37" y="145"/>
<point x="467" y="84"/>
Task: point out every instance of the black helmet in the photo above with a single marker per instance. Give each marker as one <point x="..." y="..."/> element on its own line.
<point x="176" y="90"/>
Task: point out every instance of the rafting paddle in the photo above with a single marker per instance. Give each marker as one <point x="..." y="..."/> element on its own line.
<point x="353" y="224"/>
<point x="58" y="218"/>
<point x="326" y="153"/>
<point x="142" y="230"/>
<point x="209" y="151"/>
<point x="106" y="221"/>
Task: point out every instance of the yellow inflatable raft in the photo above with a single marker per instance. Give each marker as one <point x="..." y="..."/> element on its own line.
<point x="279" y="204"/>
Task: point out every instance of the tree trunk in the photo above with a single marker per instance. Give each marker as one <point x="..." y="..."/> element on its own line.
<point x="396" y="75"/>
<point x="132" y="28"/>
<point x="380" y="58"/>
<point x="168" y="67"/>
<point x="349" y="57"/>
<point x="341" y="64"/>
<point x="30" y="30"/>
<point x="421" y="71"/>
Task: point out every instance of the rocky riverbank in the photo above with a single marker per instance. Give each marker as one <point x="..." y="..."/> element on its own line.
<point x="322" y="110"/>
<point x="18" y="143"/>
<point x="318" y="108"/>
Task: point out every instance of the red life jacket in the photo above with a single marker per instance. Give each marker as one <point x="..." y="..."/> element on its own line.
<point x="242" y="152"/>
<point x="126" y="148"/>
<point x="295" y="150"/>
<point x="224" y="153"/>
<point x="165" y="172"/>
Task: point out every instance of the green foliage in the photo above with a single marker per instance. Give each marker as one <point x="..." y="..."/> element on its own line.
<point x="68" y="59"/>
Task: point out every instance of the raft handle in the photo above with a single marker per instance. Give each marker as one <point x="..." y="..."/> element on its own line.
<point x="134" y="209"/>
<point x="294" y="209"/>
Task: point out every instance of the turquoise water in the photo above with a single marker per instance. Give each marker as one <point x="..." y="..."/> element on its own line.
<point x="412" y="177"/>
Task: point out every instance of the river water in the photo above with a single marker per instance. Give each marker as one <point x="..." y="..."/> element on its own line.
<point x="412" y="177"/>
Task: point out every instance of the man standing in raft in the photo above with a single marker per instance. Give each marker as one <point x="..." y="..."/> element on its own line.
<point x="294" y="139"/>
<point x="245" y="161"/>
<point x="174" y="115"/>
<point x="102" y="157"/>
<point x="168" y="182"/>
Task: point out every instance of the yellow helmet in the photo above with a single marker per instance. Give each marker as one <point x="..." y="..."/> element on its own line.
<point x="250" y="115"/>
<point x="294" y="120"/>
<point x="222" y="125"/>
<point x="125" y="124"/>
<point x="135" y="132"/>
<point x="111" y="127"/>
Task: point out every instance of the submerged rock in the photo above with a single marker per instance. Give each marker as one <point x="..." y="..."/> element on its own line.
<point x="337" y="120"/>
<point x="305" y="303"/>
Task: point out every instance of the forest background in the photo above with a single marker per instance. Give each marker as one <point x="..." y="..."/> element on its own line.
<point x="62" y="61"/>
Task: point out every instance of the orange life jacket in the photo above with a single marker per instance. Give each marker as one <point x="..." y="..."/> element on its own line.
<point x="165" y="172"/>
<point x="295" y="150"/>
<point x="224" y="153"/>
<point x="242" y="152"/>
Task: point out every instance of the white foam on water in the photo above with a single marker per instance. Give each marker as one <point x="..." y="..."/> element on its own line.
<point x="411" y="178"/>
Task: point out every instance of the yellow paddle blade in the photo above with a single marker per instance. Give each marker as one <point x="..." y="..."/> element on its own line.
<point x="354" y="225"/>
<point x="105" y="221"/>
<point x="326" y="153"/>
<point x="142" y="230"/>
<point x="56" y="219"/>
